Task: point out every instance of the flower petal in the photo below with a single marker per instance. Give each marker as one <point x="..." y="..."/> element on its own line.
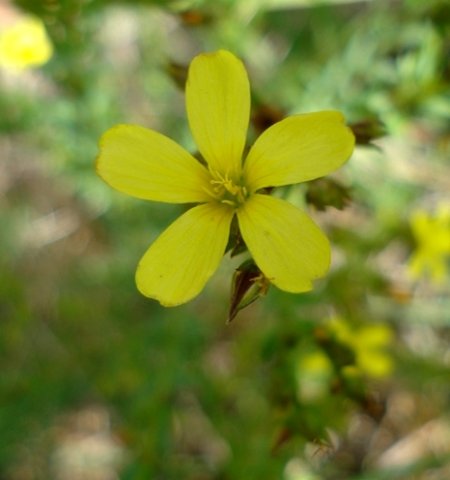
<point x="181" y="260"/>
<point x="285" y="243"/>
<point x="146" y="164"/>
<point x="298" y="148"/>
<point x="218" y="109"/>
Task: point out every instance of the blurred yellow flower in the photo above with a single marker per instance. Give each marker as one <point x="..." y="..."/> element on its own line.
<point x="24" y="44"/>
<point x="432" y="235"/>
<point x="369" y="343"/>
<point x="313" y="375"/>
<point x="286" y="245"/>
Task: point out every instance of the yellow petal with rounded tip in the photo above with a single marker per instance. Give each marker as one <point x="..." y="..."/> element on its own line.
<point x="298" y="148"/>
<point x="285" y="243"/>
<point x="218" y="109"/>
<point x="146" y="164"/>
<point x="182" y="259"/>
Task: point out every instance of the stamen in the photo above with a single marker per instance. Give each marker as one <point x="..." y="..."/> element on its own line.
<point x="225" y="190"/>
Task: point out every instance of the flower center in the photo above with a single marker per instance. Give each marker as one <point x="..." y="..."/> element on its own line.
<point x="225" y="190"/>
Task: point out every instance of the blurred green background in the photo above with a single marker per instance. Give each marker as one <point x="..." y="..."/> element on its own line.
<point x="349" y="381"/>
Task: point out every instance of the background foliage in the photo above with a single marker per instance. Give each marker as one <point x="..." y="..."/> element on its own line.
<point x="350" y="381"/>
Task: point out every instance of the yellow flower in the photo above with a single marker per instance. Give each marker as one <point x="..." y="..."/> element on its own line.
<point x="369" y="343"/>
<point x="286" y="245"/>
<point x="25" y="44"/>
<point x="432" y="235"/>
<point x="313" y="374"/>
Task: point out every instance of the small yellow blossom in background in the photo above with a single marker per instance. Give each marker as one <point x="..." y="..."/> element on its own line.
<point x="369" y="344"/>
<point x="286" y="245"/>
<point x="24" y="44"/>
<point x="432" y="236"/>
<point x="313" y="375"/>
